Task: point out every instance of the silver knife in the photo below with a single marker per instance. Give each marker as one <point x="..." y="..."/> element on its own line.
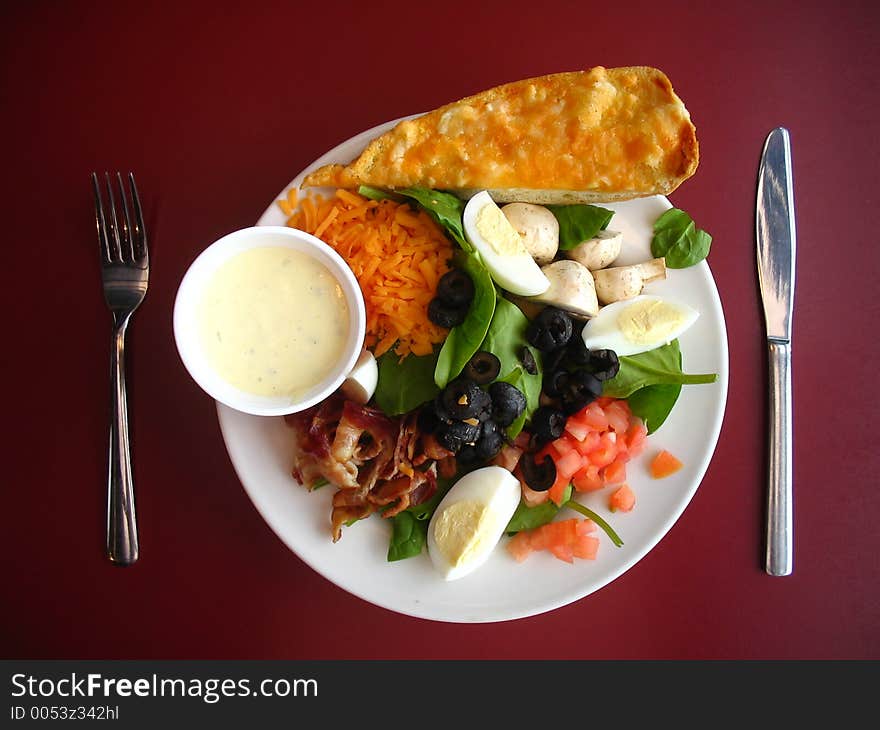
<point x="775" y="232"/>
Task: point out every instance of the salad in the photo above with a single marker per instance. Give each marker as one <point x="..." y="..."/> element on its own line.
<point x="516" y="367"/>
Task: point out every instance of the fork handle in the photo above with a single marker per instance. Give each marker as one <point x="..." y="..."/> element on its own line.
<point x="122" y="537"/>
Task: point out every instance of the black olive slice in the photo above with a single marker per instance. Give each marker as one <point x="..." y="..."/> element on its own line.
<point x="580" y="389"/>
<point x="539" y="477"/>
<point x="554" y="383"/>
<point x="553" y="359"/>
<point x="446" y="315"/>
<point x="454" y="435"/>
<point x="604" y="364"/>
<point x="508" y="402"/>
<point x="490" y="441"/>
<point x="528" y="361"/>
<point x="550" y="330"/>
<point x="467" y="456"/>
<point x="428" y="420"/>
<point x="482" y="368"/>
<point x="455" y="288"/>
<point x="463" y="398"/>
<point x="548" y="423"/>
<point x="576" y="350"/>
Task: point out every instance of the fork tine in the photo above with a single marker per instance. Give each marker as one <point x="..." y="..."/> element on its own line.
<point x="100" y="221"/>
<point x="139" y="242"/>
<point x="113" y="240"/>
<point x="127" y="240"/>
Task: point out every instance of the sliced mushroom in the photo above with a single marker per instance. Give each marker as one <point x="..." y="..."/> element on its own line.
<point x="537" y="227"/>
<point x="599" y="252"/>
<point x="626" y="282"/>
<point x="571" y="288"/>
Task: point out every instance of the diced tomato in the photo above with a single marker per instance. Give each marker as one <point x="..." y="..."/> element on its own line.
<point x="586" y="548"/>
<point x="588" y="479"/>
<point x="563" y="552"/>
<point x="508" y="457"/>
<point x="615" y="472"/>
<point x="566" y="530"/>
<point x="585" y="527"/>
<point x="590" y="443"/>
<point x="636" y="436"/>
<point x="566" y="539"/>
<point x="569" y="464"/>
<point x="593" y="451"/>
<point x="563" y="537"/>
<point x="594" y="417"/>
<point x="623" y="499"/>
<point x="557" y="491"/>
<point x="519" y="546"/>
<point x="563" y="445"/>
<point x="618" y="414"/>
<point x="607" y="450"/>
<point x="577" y="429"/>
<point x="664" y="464"/>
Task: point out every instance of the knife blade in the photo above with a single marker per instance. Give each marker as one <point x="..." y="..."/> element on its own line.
<point x="776" y="245"/>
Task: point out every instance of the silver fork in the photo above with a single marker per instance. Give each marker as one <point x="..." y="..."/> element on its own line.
<point x="125" y="271"/>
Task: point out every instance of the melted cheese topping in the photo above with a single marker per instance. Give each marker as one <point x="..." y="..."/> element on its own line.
<point x="604" y="130"/>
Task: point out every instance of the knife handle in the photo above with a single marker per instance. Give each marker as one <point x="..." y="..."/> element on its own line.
<point x="779" y="486"/>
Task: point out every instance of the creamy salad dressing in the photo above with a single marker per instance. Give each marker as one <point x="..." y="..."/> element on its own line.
<point x="273" y="321"/>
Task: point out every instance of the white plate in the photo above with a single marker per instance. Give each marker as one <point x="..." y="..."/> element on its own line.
<point x="503" y="589"/>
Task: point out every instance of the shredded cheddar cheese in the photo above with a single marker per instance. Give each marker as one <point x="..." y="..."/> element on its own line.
<point x="397" y="255"/>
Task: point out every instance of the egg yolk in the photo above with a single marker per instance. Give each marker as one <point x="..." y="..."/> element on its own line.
<point x="459" y="531"/>
<point x="498" y="231"/>
<point x="647" y="322"/>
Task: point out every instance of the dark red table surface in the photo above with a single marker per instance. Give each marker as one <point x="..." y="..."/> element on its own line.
<point x="216" y="107"/>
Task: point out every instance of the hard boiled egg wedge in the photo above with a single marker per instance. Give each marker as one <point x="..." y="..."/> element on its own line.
<point x="501" y="248"/>
<point x="361" y="382"/>
<point x="637" y="325"/>
<point x="470" y="519"/>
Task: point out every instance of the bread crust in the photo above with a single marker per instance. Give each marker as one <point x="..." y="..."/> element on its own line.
<point x="598" y="135"/>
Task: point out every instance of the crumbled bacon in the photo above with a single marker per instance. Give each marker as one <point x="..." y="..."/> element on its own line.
<point x="376" y="462"/>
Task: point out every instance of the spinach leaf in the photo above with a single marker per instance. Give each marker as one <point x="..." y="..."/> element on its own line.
<point x="465" y="339"/>
<point x="408" y="536"/>
<point x="405" y="384"/>
<point x="654" y="403"/>
<point x="661" y="366"/>
<point x="527" y="518"/>
<point x="677" y="238"/>
<point x="378" y="194"/>
<point x="579" y="223"/>
<point x="506" y="339"/>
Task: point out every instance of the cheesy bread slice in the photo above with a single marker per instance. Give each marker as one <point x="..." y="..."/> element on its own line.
<point x="604" y="134"/>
